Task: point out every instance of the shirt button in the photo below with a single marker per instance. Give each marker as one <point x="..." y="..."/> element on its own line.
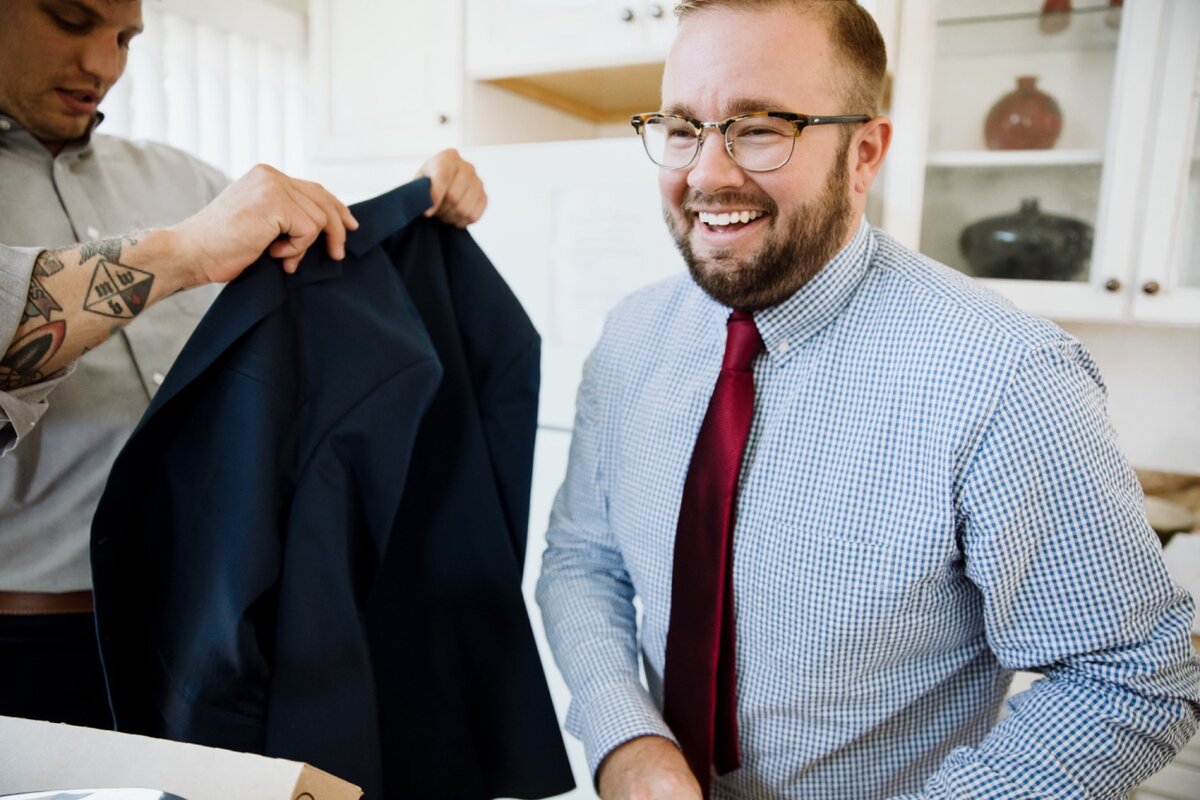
<point x="783" y="346"/>
<point x="93" y="233"/>
<point x="157" y="378"/>
<point x="5" y="125"/>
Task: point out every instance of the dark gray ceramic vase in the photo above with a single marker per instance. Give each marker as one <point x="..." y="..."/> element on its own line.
<point x="1027" y="245"/>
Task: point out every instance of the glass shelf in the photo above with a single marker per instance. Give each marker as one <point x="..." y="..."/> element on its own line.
<point x="963" y="12"/>
<point x="984" y="159"/>
<point x="1086" y="28"/>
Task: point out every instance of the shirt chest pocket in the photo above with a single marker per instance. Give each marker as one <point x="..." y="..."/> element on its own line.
<point x="843" y="606"/>
<point x="848" y="590"/>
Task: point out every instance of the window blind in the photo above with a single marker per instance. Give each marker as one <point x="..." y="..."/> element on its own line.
<point x="223" y="80"/>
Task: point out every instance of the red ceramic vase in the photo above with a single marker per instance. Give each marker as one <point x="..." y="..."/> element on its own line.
<point x="1024" y="119"/>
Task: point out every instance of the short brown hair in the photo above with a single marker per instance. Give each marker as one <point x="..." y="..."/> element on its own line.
<point x="855" y="36"/>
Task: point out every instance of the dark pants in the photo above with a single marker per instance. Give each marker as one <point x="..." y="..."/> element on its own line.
<point x="50" y="669"/>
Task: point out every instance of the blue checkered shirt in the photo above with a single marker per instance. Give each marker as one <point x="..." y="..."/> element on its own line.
<point x="932" y="497"/>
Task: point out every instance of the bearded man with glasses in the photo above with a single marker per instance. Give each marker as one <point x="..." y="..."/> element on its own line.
<point x="852" y="489"/>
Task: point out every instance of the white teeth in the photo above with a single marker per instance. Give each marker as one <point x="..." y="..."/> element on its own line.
<point x="728" y="217"/>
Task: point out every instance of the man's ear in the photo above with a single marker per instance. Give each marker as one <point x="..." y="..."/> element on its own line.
<point x="867" y="149"/>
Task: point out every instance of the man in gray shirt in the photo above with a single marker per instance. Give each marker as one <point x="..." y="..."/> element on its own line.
<point x="153" y="221"/>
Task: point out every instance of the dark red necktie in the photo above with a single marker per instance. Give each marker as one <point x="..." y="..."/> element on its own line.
<point x="699" y="679"/>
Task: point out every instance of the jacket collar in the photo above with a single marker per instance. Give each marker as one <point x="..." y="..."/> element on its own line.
<point x="382" y="216"/>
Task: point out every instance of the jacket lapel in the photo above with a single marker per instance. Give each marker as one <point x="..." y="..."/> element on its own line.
<point x="259" y="291"/>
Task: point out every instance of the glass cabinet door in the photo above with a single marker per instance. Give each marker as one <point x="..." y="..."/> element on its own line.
<point x="1048" y="152"/>
<point x="1020" y="104"/>
<point x="1189" y="249"/>
<point x="1186" y="247"/>
<point x="1167" y="285"/>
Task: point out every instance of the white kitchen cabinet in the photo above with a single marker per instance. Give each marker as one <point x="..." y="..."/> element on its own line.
<point x="387" y="77"/>
<point x="1125" y="80"/>
<point x="528" y="37"/>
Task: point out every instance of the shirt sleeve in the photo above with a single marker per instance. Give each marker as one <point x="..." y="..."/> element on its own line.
<point x="1074" y="588"/>
<point x="20" y="409"/>
<point x="586" y="594"/>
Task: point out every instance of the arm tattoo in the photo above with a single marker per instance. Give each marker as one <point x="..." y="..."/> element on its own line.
<point x="118" y="290"/>
<point x="22" y="366"/>
<point x="47" y="264"/>
<point x="109" y="249"/>
<point x="40" y="302"/>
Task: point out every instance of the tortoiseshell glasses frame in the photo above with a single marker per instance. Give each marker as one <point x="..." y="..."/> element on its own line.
<point x="760" y="141"/>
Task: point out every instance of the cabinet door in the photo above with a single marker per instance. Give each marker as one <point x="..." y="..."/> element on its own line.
<point x="658" y="20"/>
<point x="526" y="37"/>
<point x="1167" y="287"/>
<point x="521" y="37"/>
<point x="1043" y="199"/>
<point x="387" y="76"/>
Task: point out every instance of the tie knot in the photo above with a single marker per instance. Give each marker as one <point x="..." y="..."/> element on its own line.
<point x="742" y="341"/>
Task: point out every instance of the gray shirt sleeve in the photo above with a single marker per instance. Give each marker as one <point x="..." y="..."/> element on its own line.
<point x="20" y="408"/>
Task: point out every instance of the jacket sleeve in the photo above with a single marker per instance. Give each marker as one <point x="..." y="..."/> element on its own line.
<point x="1074" y="588"/>
<point x="586" y="594"/>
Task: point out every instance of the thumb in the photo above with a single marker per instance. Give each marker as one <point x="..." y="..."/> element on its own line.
<point x="436" y="194"/>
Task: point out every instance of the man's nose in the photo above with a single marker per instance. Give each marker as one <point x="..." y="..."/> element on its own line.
<point x="714" y="169"/>
<point x="103" y="58"/>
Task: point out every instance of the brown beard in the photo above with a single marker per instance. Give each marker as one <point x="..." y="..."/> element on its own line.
<point x="795" y="249"/>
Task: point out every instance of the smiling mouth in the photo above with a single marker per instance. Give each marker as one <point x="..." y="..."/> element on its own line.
<point x="728" y="220"/>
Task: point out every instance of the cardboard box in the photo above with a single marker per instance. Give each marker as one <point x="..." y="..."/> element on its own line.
<point x="39" y="756"/>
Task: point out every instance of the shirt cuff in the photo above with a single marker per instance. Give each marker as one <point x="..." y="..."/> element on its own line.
<point x="611" y="716"/>
<point x="21" y="408"/>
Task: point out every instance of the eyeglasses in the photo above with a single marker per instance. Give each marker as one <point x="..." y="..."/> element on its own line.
<point x="760" y="141"/>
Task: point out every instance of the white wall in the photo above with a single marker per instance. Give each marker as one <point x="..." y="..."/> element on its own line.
<point x="299" y="7"/>
<point x="1153" y="379"/>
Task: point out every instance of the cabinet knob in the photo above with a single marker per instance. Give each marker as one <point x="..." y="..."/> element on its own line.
<point x="442" y="119"/>
<point x="1112" y="285"/>
<point x="1151" y="287"/>
<point x="656" y="10"/>
<point x="627" y="14"/>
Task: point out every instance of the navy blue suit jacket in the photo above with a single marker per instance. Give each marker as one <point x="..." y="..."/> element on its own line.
<point x="311" y="546"/>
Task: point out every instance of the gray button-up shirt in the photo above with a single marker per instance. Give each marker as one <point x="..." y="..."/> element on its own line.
<point x="60" y="437"/>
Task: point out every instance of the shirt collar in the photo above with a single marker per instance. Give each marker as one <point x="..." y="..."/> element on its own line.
<point x="13" y="134"/>
<point x="788" y="325"/>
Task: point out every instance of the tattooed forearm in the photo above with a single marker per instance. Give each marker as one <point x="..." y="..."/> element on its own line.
<point x="23" y="363"/>
<point x="80" y="296"/>
<point x="108" y="249"/>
